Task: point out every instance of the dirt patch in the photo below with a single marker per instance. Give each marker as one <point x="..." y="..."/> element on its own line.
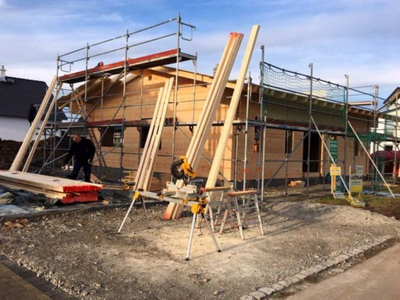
<point x="83" y="255"/>
<point x="9" y="149"/>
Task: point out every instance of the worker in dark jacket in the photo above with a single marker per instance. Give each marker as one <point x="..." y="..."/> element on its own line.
<point x="83" y="150"/>
<point x="32" y="113"/>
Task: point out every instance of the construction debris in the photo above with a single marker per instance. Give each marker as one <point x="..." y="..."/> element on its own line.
<point x="297" y="183"/>
<point x="17" y="224"/>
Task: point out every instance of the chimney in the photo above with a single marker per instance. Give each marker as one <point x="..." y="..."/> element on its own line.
<point x="2" y="74"/>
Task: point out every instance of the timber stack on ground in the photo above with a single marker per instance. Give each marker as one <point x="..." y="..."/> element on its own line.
<point x="66" y="190"/>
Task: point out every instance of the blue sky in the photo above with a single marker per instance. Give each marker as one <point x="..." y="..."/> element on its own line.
<point x="356" y="37"/>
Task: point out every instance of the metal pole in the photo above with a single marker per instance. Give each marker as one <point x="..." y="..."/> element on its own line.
<point x="178" y="36"/>
<point x="246" y="132"/>
<point x="395" y="144"/>
<point x="375" y="131"/>
<point x="122" y="136"/>
<point x="264" y="128"/>
<point x="194" y="88"/>
<point x="86" y="91"/>
<point x="346" y="107"/>
<point x="309" y="130"/>
<point x="236" y="160"/>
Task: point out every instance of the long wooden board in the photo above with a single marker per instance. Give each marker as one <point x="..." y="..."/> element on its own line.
<point x="226" y="130"/>
<point x="48" y="182"/>
<point x="63" y="197"/>
<point x="41" y="130"/>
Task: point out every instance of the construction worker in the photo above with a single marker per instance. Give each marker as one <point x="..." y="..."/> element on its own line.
<point x="32" y="113"/>
<point x="83" y="150"/>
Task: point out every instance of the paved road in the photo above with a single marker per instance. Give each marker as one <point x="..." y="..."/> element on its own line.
<point x="17" y="283"/>
<point x="377" y="278"/>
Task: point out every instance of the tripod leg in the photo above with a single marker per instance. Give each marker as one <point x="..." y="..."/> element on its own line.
<point x="211" y="233"/>
<point x="191" y="237"/>
<point x="129" y="210"/>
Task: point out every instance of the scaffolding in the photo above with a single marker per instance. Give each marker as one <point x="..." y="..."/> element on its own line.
<point x="74" y="69"/>
<point x="285" y="100"/>
<point x="333" y="108"/>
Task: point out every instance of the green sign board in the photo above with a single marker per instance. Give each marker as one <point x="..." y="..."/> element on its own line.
<point x="333" y="149"/>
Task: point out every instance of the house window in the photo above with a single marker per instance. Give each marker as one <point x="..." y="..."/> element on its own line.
<point x="144" y="132"/>
<point x="107" y="139"/>
<point x="388" y="147"/>
<point x="315" y="148"/>
<point x="289" y="136"/>
<point x="356" y="148"/>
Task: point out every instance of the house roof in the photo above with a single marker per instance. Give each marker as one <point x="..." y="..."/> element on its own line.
<point x="16" y="95"/>
<point x="393" y="96"/>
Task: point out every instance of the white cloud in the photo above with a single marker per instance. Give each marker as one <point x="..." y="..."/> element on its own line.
<point x="356" y="37"/>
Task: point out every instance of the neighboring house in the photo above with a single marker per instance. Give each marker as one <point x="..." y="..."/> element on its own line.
<point x="388" y="127"/>
<point x="16" y="97"/>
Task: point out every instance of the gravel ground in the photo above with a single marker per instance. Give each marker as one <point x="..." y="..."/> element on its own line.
<point x="83" y="254"/>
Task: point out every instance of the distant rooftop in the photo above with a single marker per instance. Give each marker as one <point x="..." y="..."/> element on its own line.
<point x="17" y="94"/>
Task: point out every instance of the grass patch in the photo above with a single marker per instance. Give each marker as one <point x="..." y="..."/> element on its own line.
<point x="332" y="201"/>
<point x="387" y="206"/>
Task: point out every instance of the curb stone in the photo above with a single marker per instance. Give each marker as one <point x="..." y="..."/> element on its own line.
<point x="264" y="292"/>
<point x="258" y="295"/>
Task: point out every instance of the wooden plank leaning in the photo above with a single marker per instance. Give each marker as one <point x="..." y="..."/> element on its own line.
<point x="208" y="112"/>
<point x="25" y="144"/>
<point x="153" y="141"/>
<point x="143" y="158"/>
<point x="226" y="130"/>
<point x="157" y="138"/>
<point x="205" y="121"/>
<point x="42" y="127"/>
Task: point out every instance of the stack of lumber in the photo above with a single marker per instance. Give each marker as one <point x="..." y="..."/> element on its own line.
<point x="66" y="190"/>
<point x="147" y="162"/>
<point x="208" y="112"/>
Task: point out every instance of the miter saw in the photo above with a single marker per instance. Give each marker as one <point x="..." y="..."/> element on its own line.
<point x="188" y="194"/>
<point x="190" y="191"/>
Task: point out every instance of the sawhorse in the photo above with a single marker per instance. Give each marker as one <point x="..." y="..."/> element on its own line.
<point x="248" y="197"/>
<point x="220" y="203"/>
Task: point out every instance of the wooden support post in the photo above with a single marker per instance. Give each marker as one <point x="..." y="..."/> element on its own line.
<point x="25" y="144"/>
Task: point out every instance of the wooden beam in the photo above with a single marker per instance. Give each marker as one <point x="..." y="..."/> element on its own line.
<point x="230" y="116"/>
<point x="48" y="182"/>
<point x="143" y="158"/>
<point x="42" y="127"/>
<point x="157" y="139"/>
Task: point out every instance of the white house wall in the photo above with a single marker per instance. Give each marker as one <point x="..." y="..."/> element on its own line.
<point x="13" y="128"/>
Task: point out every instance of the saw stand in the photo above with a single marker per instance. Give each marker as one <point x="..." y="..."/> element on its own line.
<point x="192" y="232"/>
